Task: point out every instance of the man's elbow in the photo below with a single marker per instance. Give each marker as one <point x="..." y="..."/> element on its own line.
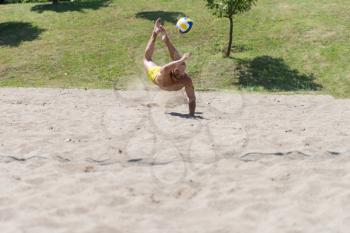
<point x="166" y="69"/>
<point x="192" y="99"/>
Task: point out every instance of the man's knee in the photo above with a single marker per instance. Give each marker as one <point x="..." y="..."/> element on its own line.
<point x="147" y="57"/>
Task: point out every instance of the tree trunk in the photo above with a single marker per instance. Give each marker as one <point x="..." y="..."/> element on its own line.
<point x="228" y="52"/>
<point x="54" y="1"/>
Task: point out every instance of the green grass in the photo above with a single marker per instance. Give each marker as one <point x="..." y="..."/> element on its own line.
<point x="279" y="46"/>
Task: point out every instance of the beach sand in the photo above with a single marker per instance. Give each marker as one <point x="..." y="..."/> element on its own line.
<point x="130" y="161"/>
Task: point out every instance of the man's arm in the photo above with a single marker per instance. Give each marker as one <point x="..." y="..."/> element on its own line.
<point x="191" y="96"/>
<point x="172" y="65"/>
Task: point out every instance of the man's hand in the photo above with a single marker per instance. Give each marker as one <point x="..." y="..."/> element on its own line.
<point x="186" y="56"/>
<point x="192" y="108"/>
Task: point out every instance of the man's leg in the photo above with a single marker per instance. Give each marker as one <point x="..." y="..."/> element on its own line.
<point x="147" y="61"/>
<point x="149" y="50"/>
<point x="174" y="54"/>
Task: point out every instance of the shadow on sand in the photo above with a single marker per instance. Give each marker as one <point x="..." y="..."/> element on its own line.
<point x="186" y="116"/>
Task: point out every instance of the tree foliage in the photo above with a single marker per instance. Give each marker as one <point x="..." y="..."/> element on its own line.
<point x="229" y="8"/>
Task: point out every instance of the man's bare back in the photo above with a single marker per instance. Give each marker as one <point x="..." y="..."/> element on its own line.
<point x="172" y="76"/>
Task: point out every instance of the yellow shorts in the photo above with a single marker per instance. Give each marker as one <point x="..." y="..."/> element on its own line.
<point x="153" y="72"/>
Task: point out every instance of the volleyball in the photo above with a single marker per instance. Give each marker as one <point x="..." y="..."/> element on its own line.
<point x="184" y="24"/>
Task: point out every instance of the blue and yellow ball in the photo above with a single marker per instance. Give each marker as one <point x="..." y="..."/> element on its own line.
<point x="184" y="24"/>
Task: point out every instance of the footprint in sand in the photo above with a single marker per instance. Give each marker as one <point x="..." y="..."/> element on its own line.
<point x="168" y="164"/>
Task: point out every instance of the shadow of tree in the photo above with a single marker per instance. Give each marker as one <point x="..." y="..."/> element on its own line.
<point x="14" y="33"/>
<point x="71" y="6"/>
<point x="273" y="74"/>
<point x="170" y="17"/>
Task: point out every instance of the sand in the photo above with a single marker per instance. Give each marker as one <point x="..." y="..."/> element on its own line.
<point x="130" y="161"/>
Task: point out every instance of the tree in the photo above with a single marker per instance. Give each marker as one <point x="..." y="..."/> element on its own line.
<point x="227" y="9"/>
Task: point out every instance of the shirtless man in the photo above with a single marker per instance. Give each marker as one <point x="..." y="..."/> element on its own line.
<point x="172" y="76"/>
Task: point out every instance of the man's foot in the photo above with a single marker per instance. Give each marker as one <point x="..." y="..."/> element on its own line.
<point x="164" y="33"/>
<point x="157" y="26"/>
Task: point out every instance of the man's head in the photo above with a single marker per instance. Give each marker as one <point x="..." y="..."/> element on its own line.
<point x="179" y="71"/>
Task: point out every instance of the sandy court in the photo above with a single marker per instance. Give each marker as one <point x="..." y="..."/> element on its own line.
<point x="130" y="161"/>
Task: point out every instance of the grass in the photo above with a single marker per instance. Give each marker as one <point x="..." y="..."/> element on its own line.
<point x="279" y="46"/>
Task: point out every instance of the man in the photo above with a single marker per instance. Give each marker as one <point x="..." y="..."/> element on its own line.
<point x="172" y="76"/>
